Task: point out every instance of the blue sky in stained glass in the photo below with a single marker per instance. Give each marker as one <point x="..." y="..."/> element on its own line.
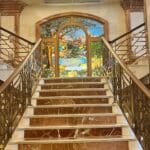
<point x="95" y="30"/>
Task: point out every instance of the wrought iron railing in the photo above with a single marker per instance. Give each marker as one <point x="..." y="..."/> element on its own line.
<point x="16" y="92"/>
<point x="130" y="93"/>
<point x="131" y="45"/>
<point x="13" y="48"/>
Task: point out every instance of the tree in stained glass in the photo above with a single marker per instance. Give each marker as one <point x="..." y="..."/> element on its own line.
<point x="72" y="52"/>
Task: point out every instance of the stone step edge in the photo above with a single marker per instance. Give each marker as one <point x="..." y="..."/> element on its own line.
<point x="56" y="78"/>
<point x="72" y="83"/>
<point x="72" y="105"/>
<point x="72" y="127"/>
<point x="73" y="89"/>
<point x="74" y="115"/>
<point x="73" y="140"/>
<point x="71" y="97"/>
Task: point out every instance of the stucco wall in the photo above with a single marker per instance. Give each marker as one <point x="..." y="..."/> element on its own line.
<point x="112" y="12"/>
<point x="8" y="22"/>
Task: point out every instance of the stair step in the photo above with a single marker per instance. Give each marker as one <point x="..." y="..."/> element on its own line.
<point x="74" y="79"/>
<point x="76" y="90"/>
<point x="94" y="145"/>
<point x="72" y="105"/>
<point x="73" y="100"/>
<point x="72" y="92"/>
<point x="72" y="133"/>
<point x="46" y="120"/>
<point x="75" y="97"/>
<point x="73" y="140"/>
<point x="72" y="126"/>
<point x="73" y="115"/>
<point x="72" y="110"/>
<point x="73" y="85"/>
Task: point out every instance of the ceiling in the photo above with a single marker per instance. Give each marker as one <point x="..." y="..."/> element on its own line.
<point x="71" y="1"/>
<point x="66" y="1"/>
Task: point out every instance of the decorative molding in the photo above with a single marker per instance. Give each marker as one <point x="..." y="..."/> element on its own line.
<point x="132" y="4"/>
<point x="11" y="7"/>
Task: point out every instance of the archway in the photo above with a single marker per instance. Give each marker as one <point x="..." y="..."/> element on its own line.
<point x="71" y="44"/>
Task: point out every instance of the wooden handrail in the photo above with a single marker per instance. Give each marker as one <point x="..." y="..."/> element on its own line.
<point x="25" y="40"/>
<point x="145" y="90"/>
<point x="18" y="70"/>
<point x="112" y="41"/>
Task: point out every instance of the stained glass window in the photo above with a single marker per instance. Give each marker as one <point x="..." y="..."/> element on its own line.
<point x="70" y="36"/>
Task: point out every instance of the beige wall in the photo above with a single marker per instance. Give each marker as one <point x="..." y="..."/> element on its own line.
<point x="147" y="12"/>
<point x="8" y="22"/>
<point x="110" y="11"/>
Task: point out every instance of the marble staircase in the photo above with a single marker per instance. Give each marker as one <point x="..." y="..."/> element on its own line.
<point x="73" y="114"/>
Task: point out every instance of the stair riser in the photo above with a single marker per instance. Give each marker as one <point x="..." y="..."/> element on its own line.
<point x="72" y="133"/>
<point x="60" y="80"/>
<point x="72" y="86"/>
<point x="72" y="120"/>
<point x="72" y="101"/>
<point x="121" y="145"/>
<point x="72" y="110"/>
<point x="71" y="93"/>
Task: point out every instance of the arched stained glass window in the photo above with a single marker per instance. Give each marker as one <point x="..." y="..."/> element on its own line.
<point x="73" y="46"/>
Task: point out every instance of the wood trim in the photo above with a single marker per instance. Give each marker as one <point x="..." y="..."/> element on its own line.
<point x="17" y="31"/>
<point x="128" y="22"/>
<point x="89" y="63"/>
<point x="17" y="24"/>
<point x="132" y="4"/>
<point x="86" y="15"/>
<point x="10" y="8"/>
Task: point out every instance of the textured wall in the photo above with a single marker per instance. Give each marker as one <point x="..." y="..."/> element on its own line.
<point x="8" y="22"/>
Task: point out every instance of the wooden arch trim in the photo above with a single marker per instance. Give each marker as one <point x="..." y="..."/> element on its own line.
<point x="79" y="14"/>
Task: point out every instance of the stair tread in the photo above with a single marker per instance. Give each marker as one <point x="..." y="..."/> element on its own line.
<point x="74" y="115"/>
<point x="56" y="78"/>
<point x="72" y="126"/>
<point x="79" y="89"/>
<point x="72" y="140"/>
<point x="72" y="83"/>
<point x="72" y="105"/>
<point x="68" y="97"/>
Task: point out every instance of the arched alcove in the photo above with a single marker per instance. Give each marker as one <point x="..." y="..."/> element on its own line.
<point x="87" y="43"/>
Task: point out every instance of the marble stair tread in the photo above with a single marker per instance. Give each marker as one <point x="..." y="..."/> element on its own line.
<point x="79" y="89"/>
<point x="74" y="79"/>
<point x="72" y="83"/>
<point x="72" y="140"/>
<point x="73" y="105"/>
<point x="71" y="78"/>
<point x="74" y="115"/>
<point x="72" y="126"/>
<point x="73" y="97"/>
